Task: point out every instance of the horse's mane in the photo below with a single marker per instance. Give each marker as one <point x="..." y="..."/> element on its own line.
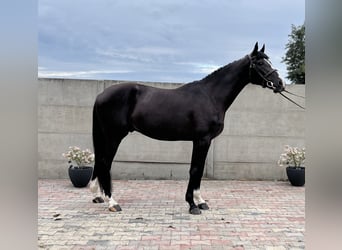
<point x="223" y="70"/>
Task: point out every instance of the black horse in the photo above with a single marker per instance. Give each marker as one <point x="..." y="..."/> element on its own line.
<point x="193" y="112"/>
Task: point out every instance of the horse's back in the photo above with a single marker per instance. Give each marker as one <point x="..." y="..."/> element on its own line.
<point x="116" y="93"/>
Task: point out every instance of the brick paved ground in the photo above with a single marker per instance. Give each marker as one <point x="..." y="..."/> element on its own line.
<point x="242" y="215"/>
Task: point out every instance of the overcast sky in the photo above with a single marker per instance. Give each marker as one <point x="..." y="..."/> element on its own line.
<point x="159" y="40"/>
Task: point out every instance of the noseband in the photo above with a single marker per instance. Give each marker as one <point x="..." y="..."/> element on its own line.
<point x="266" y="83"/>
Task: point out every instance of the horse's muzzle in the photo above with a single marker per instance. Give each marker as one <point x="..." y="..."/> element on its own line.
<point x="279" y="87"/>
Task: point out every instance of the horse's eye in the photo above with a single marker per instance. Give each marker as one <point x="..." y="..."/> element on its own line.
<point x="260" y="63"/>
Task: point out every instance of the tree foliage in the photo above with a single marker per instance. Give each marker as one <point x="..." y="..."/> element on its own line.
<point x="295" y="55"/>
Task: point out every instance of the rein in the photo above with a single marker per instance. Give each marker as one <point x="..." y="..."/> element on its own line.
<point x="293" y="94"/>
<point x="291" y="99"/>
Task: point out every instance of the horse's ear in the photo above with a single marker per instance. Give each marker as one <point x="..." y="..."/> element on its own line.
<point x="255" y="50"/>
<point x="263" y="49"/>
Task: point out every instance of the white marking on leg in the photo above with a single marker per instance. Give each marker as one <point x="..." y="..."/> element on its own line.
<point x="197" y="197"/>
<point x="94" y="186"/>
<point x="99" y="194"/>
<point x="111" y="201"/>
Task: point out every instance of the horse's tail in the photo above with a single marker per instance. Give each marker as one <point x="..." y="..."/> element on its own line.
<point x="98" y="141"/>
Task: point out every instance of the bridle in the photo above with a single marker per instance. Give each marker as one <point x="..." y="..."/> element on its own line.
<point x="267" y="83"/>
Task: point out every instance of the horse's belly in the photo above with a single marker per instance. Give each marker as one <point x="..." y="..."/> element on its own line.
<point x="166" y="135"/>
<point x="164" y="126"/>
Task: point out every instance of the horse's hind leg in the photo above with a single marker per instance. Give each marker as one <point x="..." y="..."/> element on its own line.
<point x="95" y="189"/>
<point x="105" y="149"/>
<point x="107" y="135"/>
<point x="104" y="175"/>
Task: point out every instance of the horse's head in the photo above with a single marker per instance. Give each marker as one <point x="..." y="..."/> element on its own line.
<point x="261" y="71"/>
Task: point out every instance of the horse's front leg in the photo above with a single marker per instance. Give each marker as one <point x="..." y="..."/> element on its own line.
<point x="199" y="154"/>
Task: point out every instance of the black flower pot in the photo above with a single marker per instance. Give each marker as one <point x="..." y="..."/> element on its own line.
<point x="80" y="176"/>
<point x="296" y="175"/>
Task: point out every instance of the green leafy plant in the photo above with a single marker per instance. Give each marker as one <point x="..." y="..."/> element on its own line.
<point x="295" y="55"/>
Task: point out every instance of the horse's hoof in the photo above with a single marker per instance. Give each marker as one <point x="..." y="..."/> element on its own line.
<point x="203" y="206"/>
<point x="115" y="208"/>
<point x="195" y="210"/>
<point x="98" y="200"/>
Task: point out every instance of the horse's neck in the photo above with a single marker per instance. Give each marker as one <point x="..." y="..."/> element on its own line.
<point x="228" y="83"/>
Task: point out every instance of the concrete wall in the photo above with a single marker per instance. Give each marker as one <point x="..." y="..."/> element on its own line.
<point x="257" y="126"/>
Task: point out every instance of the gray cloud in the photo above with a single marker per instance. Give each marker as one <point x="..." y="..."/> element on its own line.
<point x="158" y="40"/>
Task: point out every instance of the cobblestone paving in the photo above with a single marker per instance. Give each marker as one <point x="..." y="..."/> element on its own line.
<point x="243" y="215"/>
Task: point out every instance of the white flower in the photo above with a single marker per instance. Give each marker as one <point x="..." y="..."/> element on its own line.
<point x="292" y="156"/>
<point x="80" y="157"/>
